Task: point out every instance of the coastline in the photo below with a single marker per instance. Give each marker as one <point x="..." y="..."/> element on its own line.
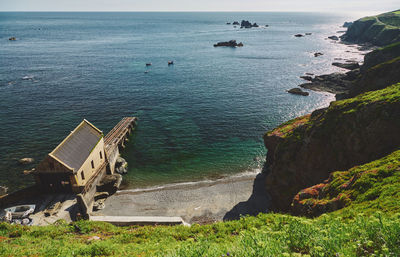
<point x="205" y="201"/>
<point x="196" y="202"/>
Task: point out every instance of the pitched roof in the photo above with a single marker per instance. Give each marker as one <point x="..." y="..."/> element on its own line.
<point x="77" y="146"/>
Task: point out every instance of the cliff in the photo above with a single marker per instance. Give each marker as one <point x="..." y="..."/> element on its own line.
<point x="378" y="30"/>
<point x="304" y="151"/>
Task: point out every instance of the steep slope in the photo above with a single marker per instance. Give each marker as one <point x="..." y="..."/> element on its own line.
<point x="372" y="186"/>
<point x="348" y="133"/>
<point x="379" y="30"/>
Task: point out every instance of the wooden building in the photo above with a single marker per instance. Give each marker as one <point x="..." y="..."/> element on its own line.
<point x="74" y="162"/>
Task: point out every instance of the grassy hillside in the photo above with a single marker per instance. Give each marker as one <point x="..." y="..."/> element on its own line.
<point x="379" y="30"/>
<point x="335" y="234"/>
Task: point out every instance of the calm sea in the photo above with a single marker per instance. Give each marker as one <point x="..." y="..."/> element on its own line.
<point x="203" y="117"/>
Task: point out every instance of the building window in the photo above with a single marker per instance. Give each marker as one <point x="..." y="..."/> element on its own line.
<point x="101" y="155"/>
<point x="92" y="165"/>
<point x="82" y="175"/>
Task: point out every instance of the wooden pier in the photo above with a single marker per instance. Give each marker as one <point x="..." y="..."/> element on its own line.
<point x="115" y="140"/>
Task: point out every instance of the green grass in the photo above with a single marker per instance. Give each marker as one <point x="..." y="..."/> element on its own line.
<point x="264" y="235"/>
<point x="368" y="226"/>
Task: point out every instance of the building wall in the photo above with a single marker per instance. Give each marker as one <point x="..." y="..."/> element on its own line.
<point x="86" y="169"/>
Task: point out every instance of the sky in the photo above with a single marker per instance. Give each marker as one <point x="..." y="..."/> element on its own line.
<point x="354" y="6"/>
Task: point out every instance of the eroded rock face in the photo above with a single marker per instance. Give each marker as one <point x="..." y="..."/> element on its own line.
<point x="348" y="133"/>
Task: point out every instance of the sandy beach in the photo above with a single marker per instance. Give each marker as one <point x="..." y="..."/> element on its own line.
<point x="196" y="202"/>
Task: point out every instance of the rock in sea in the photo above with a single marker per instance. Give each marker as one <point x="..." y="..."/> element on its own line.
<point x="298" y="91"/>
<point x="299" y="35"/>
<point x="349" y="65"/>
<point x="318" y="54"/>
<point x="333" y="37"/>
<point x="231" y="43"/>
<point x="12" y="39"/>
<point x="308" y="78"/>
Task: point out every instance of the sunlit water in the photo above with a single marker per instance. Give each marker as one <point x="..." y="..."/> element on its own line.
<point x="203" y="117"/>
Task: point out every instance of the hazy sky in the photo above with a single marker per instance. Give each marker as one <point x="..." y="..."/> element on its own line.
<point x="362" y="6"/>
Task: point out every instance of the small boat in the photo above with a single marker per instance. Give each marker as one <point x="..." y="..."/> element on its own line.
<point x="170" y="62"/>
<point x="148" y="64"/>
<point x="20" y="211"/>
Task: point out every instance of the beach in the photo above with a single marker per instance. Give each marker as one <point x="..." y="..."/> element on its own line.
<point x="197" y="202"/>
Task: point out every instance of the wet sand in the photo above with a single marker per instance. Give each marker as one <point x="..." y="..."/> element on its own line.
<point x="197" y="202"/>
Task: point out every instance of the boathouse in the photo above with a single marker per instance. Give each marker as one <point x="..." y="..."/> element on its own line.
<point x="74" y="163"/>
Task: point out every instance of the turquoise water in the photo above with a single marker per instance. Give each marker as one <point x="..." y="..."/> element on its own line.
<point x="203" y="117"/>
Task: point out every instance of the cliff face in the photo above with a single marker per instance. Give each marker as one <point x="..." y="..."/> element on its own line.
<point x="378" y="30"/>
<point x="303" y="152"/>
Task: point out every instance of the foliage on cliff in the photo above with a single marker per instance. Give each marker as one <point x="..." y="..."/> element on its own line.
<point x="369" y="187"/>
<point x="348" y="133"/>
<point x="379" y="30"/>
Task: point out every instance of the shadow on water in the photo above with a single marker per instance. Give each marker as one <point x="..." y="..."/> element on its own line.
<point x="257" y="203"/>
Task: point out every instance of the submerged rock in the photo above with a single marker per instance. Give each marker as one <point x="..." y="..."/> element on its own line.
<point x="26" y="160"/>
<point x="333" y="37"/>
<point x="298" y="91"/>
<point x="308" y="34"/>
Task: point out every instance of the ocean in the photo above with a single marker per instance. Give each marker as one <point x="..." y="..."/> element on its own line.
<point x="202" y="118"/>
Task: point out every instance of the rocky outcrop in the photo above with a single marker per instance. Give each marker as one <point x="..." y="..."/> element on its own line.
<point x="381" y="55"/>
<point x="347" y="24"/>
<point x="231" y="43"/>
<point x="333" y="38"/>
<point x="318" y="54"/>
<point x="299" y="35"/>
<point x="235" y="23"/>
<point x="121" y="166"/>
<point x="247" y="25"/>
<point x="110" y="183"/>
<point x="298" y="91"/>
<point x="377" y="77"/>
<point x="335" y="83"/>
<point x="378" y="30"/>
<point x="348" y="65"/>
<point x="308" y="78"/>
<point x="303" y="152"/>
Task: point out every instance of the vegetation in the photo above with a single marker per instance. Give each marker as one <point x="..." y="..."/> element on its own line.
<point x="367" y="188"/>
<point x="264" y="235"/>
<point x="286" y="128"/>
